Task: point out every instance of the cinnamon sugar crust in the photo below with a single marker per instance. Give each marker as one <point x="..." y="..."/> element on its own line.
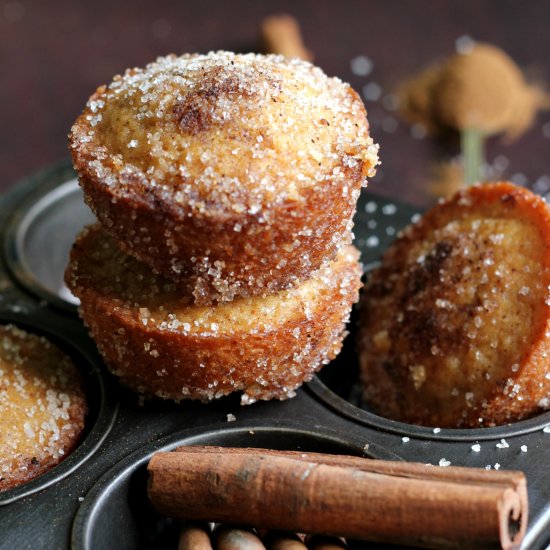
<point x="234" y="174"/>
<point x="42" y="406"/>
<point x="160" y="343"/>
<point x="455" y="324"/>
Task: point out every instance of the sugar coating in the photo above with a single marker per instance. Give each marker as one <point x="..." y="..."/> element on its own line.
<point x="198" y="160"/>
<point x="159" y="342"/>
<point x="455" y="324"/>
<point x="210" y="129"/>
<point x="42" y="406"/>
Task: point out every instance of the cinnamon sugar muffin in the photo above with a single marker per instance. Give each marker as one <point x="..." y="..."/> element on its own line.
<point x="235" y="174"/>
<point x="160" y="343"/>
<point x="42" y="406"/>
<point x="455" y="324"/>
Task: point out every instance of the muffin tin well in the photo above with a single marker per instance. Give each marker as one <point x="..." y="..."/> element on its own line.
<point x="38" y="239"/>
<point x="100" y="397"/>
<point x="118" y="502"/>
<point x="96" y="498"/>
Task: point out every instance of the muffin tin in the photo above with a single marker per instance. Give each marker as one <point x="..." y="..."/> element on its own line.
<point x="96" y="498"/>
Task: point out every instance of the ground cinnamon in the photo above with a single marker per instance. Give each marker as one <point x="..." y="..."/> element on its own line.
<point x="480" y="88"/>
<point x="341" y="495"/>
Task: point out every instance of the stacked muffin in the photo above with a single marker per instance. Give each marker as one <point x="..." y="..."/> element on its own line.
<point x="230" y="183"/>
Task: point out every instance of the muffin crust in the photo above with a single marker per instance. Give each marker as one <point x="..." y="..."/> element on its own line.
<point x="42" y="406"/>
<point x="455" y="324"/>
<point x="234" y="174"/>
<point x="160" y="343"/>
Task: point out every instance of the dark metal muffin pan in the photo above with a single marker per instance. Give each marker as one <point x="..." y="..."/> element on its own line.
<point x="117" y="498"/>
<point x="96" y="498"/>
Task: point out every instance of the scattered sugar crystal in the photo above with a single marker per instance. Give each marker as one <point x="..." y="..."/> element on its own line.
<point x="519" y="179"/>
<point x="371" y="207"/>
<point x="247" y="399"/>
<point x="497" y="466"/>
<point x="405" y="439"/>
<point x="524" y="290"/>
<point x="523" y="448"/>
<point x="366" y="447"/>
<point x="373" y="241"/>
<point x="542" y="185"/>
<point x="546" y="429"/>
<point x="133" y="143"/>
<point x="389" y="209"/>
<point x="464" y="44"/>
<point x="436" y="430"/>
<point x="372" y="91"/>
<point x="361" y="65"/>
<point x="476" y="448"/>
<point x="502" y="445"/>
<point x="418" y="131"/>
<point x="80" y="499"/>
<point x="231" y="417"/>
<point x="444" y="462"/>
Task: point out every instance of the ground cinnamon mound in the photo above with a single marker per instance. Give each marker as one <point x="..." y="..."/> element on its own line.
<point x="482" y="88"/>
<point x="455" y="324"/>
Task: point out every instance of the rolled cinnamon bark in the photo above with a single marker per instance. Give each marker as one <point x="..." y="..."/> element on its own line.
<point x="342" y="495"/>
<point x="194" y="536"/>
<point x="281" y="34"/>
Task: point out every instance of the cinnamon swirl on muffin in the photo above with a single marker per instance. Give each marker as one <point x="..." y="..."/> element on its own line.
<point x="455" y="324"/>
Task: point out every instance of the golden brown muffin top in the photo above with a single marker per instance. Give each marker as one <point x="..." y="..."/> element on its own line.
<point x="223" y="131"/>
<point x="98" y="266"/>
<point x="42" y="405"/>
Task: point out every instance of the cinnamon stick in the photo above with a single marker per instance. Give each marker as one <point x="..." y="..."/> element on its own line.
<point x="281" y="34"/>
<point x="342" y="495"/>
<point x="281" y="540"/>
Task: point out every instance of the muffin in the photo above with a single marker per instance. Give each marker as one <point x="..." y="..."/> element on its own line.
<point x="454" y="325"/>
<point x="42" y="406"/>
<point x="158" y="342"/>
<point x="233" y="175"/>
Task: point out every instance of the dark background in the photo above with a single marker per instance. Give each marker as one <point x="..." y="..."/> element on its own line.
<point x="53" y="54"/>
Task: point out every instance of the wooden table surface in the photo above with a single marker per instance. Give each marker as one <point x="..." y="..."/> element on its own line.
<point x="53" y="54"/>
